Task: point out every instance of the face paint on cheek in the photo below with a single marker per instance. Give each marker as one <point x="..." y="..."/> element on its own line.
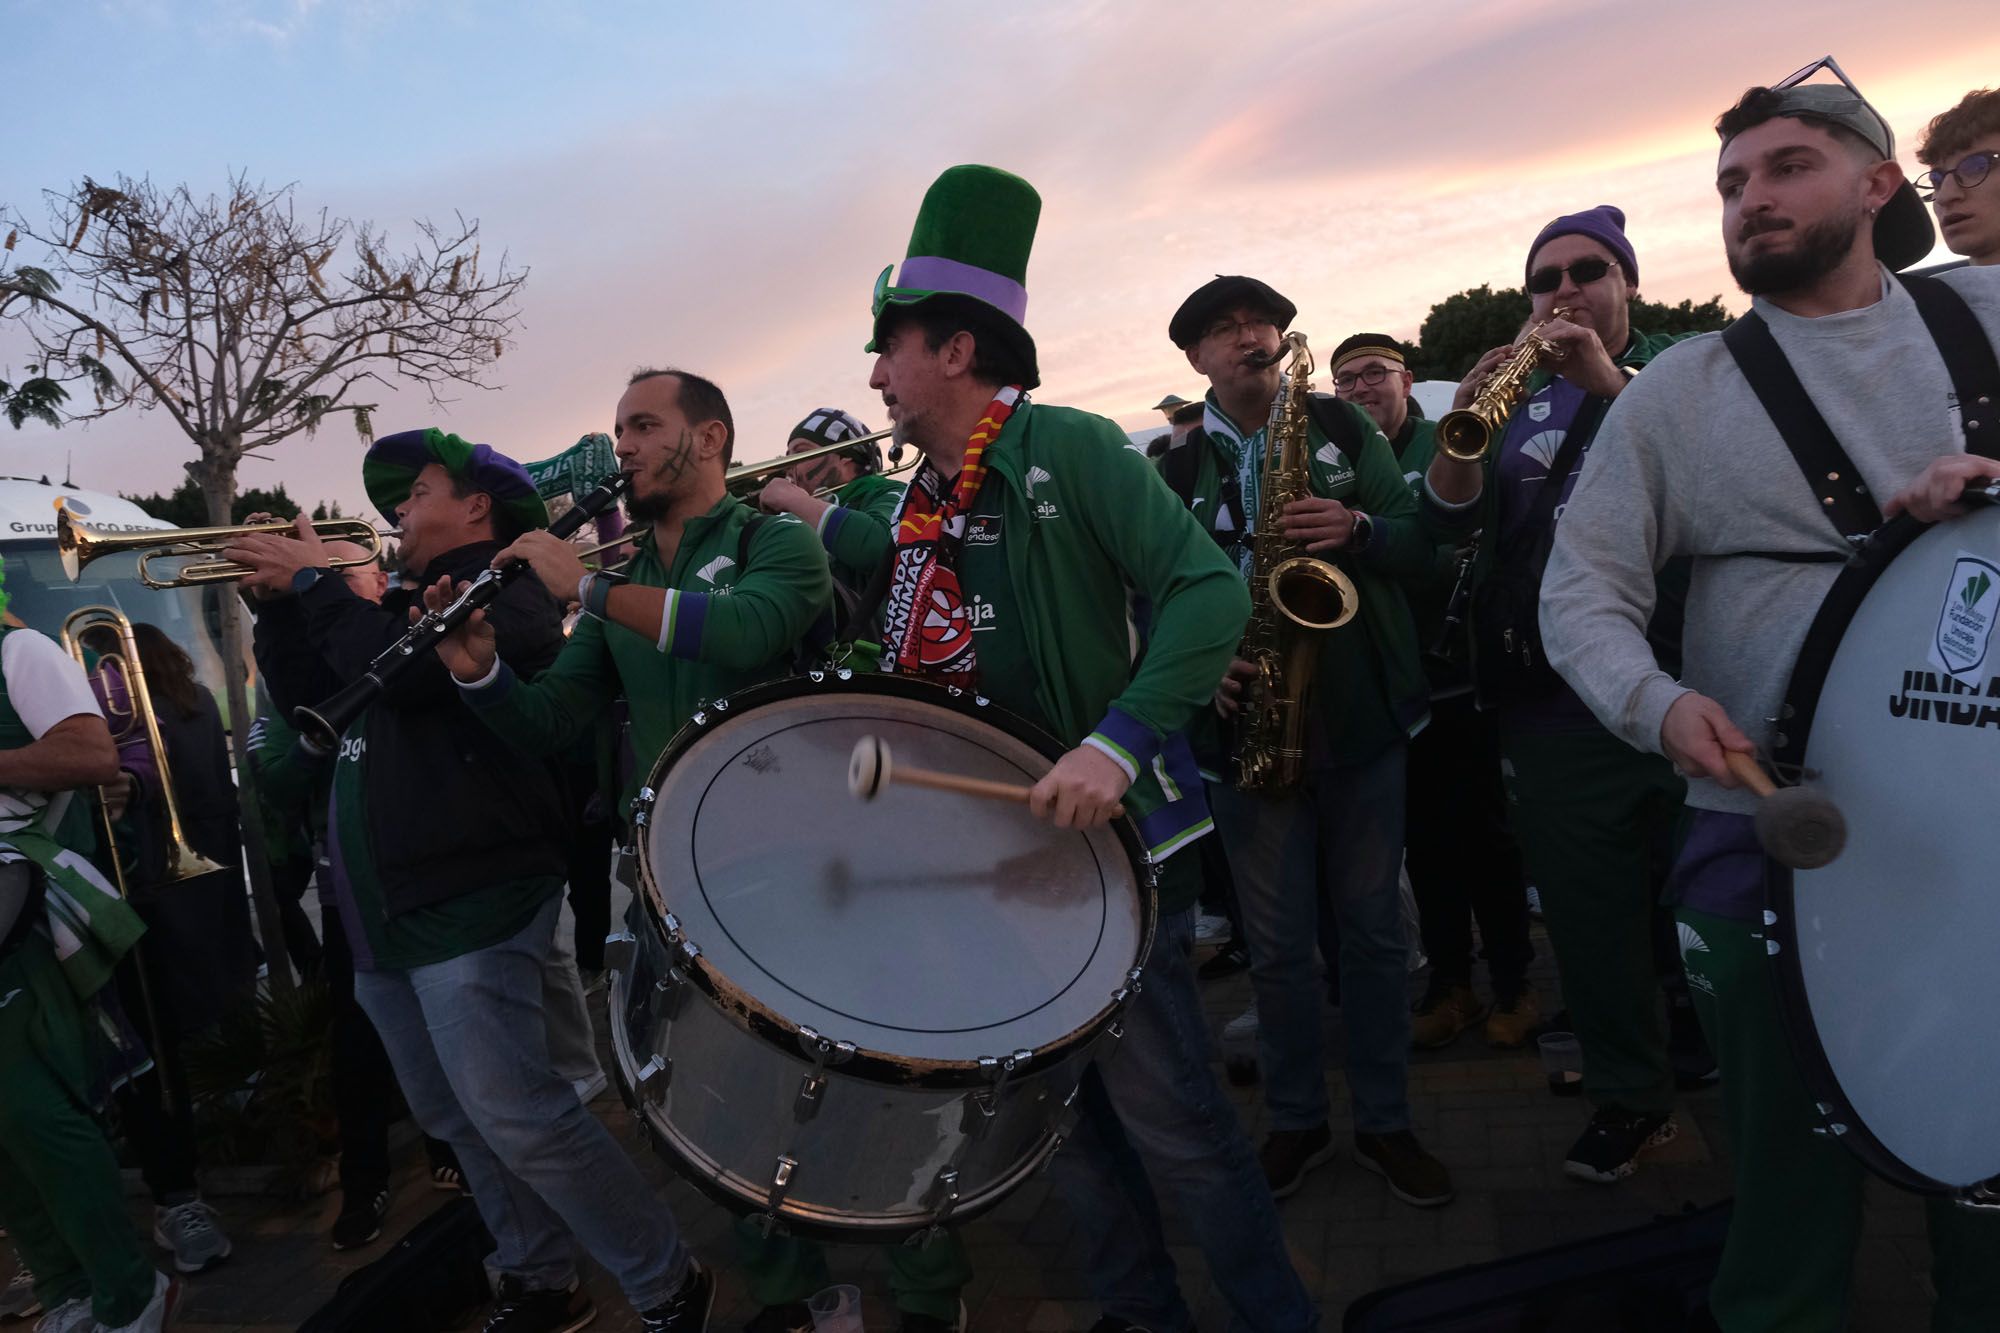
<point x="675" y="460"/>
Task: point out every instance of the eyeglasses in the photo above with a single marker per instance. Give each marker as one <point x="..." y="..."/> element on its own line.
<point x="1371" y="376"/>
<point x="1971" y="169"/>
<point x="1583" y="272"/>
<point x="1229" y="328"/>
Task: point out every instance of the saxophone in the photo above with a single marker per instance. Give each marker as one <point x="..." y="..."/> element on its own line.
<point x="1467" y="433"/>
<point x="1294" y="598"/>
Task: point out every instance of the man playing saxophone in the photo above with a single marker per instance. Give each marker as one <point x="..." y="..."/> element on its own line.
<point x="1593" y="816"/>
<point x="1341" y="820"/>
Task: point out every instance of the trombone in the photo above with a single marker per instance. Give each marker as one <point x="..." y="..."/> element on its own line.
<point x="744" y="478"/>
<point x="183" y="861"/>
<point x="78" y="545"/>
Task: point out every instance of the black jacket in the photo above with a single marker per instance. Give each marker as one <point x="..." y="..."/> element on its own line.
<point x="452" y="807"/>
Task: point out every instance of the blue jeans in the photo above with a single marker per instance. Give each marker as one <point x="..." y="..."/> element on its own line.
<point x="469" y="1043"/>
<point x="1343" y="826"/>
<point x="1150" y="1110"/>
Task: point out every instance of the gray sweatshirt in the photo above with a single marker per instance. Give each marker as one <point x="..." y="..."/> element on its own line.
<point x="1687" y="462"/>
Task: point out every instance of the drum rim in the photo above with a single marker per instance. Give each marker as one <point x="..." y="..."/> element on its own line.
<point x="766" y="1024"/>
<point x="1801" y="703"/>
<point x="817" y="1223"/>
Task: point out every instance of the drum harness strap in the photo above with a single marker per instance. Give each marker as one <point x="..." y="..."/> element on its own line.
<point x="1975" y="378"/>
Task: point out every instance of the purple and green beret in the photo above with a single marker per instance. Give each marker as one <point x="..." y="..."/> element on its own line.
<point x="393" y="462"/>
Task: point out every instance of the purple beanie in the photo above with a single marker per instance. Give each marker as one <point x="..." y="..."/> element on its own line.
<point x="1604" y="224"/>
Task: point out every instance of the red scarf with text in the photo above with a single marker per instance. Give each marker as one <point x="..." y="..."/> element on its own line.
<point x="926" y="631"/>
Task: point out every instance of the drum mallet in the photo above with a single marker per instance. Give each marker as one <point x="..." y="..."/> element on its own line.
<point x="1798" y="826"/>
<point x="870" y="769"/>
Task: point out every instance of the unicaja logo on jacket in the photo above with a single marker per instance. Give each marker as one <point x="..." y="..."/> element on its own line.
<point x="714" y="567"/>
<point x="1036" y="474"/>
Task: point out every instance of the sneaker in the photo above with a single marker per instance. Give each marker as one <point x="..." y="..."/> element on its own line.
<point x="1609" y="1148"/>
<point x="790" y="1318"/>
<point x="446" y="1176"/>
<point x="1290" y="1153"/>
<point x="1230" y="959"/>
<point x="1447" y="1009"/>
<point x="17" y="1300"/>
<point x="1515" y="1015"/>
<point x="1534" y="902"/>
<point x="360" y="1220"/>
<point x="521" y="1310"/>
<point x="1212" y="931"/>
<point x="1414" y="1176"/>
<point x="159" y="1311"/>
<point x="912" y="1322"/>
<point x="189" y="1231"/>
<point x="1239" y="1047"/>
<point x="687" y="1310"/>
<point x="69" y="1317"/>
<point x="590" y="1089"/>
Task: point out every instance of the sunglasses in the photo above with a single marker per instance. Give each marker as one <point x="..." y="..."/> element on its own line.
<point x="1583" y="272"/>
<point x="1971" y="169"/>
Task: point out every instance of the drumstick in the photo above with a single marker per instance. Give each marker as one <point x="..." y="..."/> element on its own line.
<point x="870" y="769"/>
<point x="1799" y="827"/>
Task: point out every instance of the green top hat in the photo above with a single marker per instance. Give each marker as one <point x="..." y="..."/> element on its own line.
<point x="971" y="243"/>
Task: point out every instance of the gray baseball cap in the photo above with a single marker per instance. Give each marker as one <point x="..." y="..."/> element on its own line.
<point x="1903" y="232"/>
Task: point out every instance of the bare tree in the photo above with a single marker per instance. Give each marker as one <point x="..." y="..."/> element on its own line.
<point x="246" y="322"/>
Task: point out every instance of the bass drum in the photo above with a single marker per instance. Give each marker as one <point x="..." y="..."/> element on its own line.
<point x="1886" y="955"/>
<point x="863" y="1018"/>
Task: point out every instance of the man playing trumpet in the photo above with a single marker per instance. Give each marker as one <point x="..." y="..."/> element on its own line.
<point x="1594" y="817"/>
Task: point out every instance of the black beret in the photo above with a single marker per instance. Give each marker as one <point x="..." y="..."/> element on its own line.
<point x="1211" y="299"/>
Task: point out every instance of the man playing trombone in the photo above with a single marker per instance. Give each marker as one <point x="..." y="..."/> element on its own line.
<point x="447" y="860"/>
<point x="845" y="497"/>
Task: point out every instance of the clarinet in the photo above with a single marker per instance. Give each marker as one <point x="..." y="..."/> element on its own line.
<point x="1454" y="607"/>
<point x="321" y="728"/>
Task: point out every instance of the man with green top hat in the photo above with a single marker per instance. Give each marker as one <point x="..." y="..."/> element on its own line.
<point x="1461" y="858"/>
<point x="1343" y="823"/>
<point x="62" y="929"/>
<point x="1039" y="561"/>
<point x="446" y="853"/>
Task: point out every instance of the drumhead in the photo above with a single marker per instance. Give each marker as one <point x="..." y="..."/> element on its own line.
<point x="1886" y="955"/>
<point x="929" y="929"/>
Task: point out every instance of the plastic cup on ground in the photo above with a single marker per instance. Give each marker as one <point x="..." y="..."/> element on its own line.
<point x="836" y="1310"/>
<point x="1562" y="1061"/>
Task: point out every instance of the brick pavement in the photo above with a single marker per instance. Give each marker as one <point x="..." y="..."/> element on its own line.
<point x="1487" y="1114"/>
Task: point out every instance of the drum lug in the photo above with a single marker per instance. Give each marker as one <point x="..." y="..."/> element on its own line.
<point x="656" y="1067"/>
<point x="642" y="807"/>
<point x="812" y="1087"/>
<point x="671" y="994"/>
<point x="943" y="1199"/>
<point x="618" y="946"/>
<point x="781" y="1185"/>
<point x="983" y="1105"/>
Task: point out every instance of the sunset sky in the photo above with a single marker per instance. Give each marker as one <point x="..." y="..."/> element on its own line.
<point x="717" y="186"/>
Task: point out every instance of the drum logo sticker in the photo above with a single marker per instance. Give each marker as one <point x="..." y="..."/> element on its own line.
<point x="1965" y="621"/>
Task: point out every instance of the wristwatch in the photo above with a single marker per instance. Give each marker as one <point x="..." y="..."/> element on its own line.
<point x="305" y="579"/>
<point x="1364" y="530"/>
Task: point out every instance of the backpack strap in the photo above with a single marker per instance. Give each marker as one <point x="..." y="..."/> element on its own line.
<point x="1827" y="469"/>
<point x="1968" y="357"/>
<point x="744" y="536"/>
<point x="1180" y="467"/>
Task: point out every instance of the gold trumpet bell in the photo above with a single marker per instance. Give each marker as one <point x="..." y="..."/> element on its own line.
<point x="77" y="546"/>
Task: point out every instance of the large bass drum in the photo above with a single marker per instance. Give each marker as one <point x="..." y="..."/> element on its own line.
<point x="861" y="1019"/>
<point x="1886" y="955"/>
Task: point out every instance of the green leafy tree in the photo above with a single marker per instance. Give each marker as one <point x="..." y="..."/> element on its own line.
<point x="1464" y="327"/>
<point x="186" y="508"/>
<point x="245" y="321"/>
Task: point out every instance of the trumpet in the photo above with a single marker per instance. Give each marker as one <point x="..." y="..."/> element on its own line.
<point x="744" y="478"/>
<point x="1465" y="434"/>
<point x="183" y="861"/>
<point x="78" y="545"/>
